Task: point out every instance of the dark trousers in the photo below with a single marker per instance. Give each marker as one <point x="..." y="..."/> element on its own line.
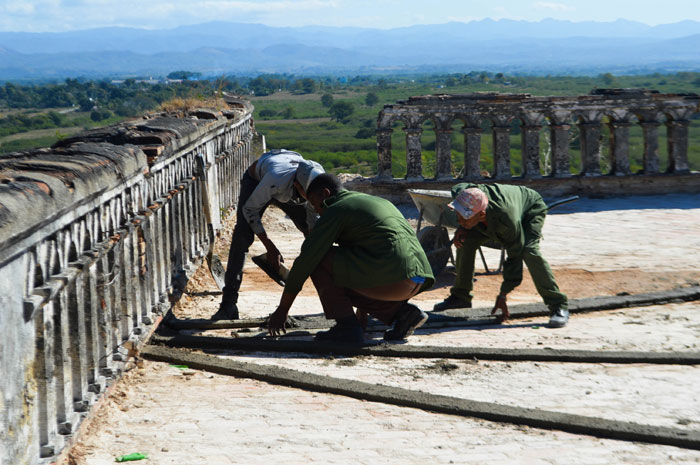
<point x="338" y="301"/>
<point x="243" y="236"/>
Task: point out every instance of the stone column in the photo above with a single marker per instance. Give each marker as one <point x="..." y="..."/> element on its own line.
<point x="384" y="153"/>
<point x="414" y="163"/>
<point x="650" y="130"/>
<point x="530" y="136"/>
<point x="649" y="121"/>
<point x="501" y="146"/>
<point x="589" y="127"/>
<point x="559" y="128"/>
<point x="620" y="143"/>
<point x="472" y="150"/>
<point x="443" y="149"/>
<point x="677" y="135"/>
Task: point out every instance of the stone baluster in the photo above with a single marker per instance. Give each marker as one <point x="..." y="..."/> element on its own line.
<point x="559" y="128"/>
<point x="677" y="136"/>
<point x="443" y="148"/>
<point x="531" y="125"/>
<point x="501" y="146"/>
<point x="78" y="310"/>
<point x="619" y="125"/>
<point x="62" y="339"/>
<point x="590" y="129"/>
<point x="472" y="148"/>
<point x="414" y="162"/>
<point x="384" y="153"/>
<point x="44" y="368"/>
<point x="650" y="122"/>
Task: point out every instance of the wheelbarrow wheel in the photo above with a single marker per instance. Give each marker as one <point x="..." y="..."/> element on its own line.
<point x="436" y="244"/>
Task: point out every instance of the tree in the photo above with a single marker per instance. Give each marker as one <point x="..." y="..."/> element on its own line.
<point x="371" y="99"/>
<point x="288" y="113"/>
<point x="184" y="75"/>
<point x="608" y="79"/>
<point x="341" y="111"/>
<point x="327" y="100"/>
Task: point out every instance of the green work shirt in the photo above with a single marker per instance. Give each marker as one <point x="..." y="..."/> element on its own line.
<point x="376" y="245"/>
<point x="508" y="207"/>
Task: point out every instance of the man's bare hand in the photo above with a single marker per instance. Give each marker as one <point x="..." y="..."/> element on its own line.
<point x="276" y="323"/>
<point x="459" y="237"/>
<point x="274" y="258"/>
<point x="502" y="305"/>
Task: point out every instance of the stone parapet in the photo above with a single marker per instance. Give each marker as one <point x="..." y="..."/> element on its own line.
<point x="98" y="235"/>
<point x="620" y="109"/>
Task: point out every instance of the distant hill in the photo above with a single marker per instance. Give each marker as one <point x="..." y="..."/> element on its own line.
<point x="547" y="46"/>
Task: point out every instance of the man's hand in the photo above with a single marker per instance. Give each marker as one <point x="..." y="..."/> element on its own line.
<point x="503" y="306"/>
<point x="276" y="322"/>
<point x="274" y="257"/>
<point x="459" y="237"/>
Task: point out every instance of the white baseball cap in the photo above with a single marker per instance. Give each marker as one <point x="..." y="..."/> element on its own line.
<point x="307" y="172"/>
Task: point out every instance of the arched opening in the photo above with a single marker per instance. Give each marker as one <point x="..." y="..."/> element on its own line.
<point x="398" y="149"/>
<point x="428" y="142"/>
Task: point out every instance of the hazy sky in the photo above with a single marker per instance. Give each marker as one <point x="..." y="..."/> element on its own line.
<point x="62" y="15"/>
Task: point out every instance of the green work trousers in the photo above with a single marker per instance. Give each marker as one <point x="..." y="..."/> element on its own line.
<point x="540" y="270"/>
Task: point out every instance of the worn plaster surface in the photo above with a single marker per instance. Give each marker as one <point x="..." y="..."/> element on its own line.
<point x="596" y="247"/>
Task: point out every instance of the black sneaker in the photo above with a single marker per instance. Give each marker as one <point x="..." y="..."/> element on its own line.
<point x="345" y="333"/>
<point x="558" y="318"/>
<point x="227" y="311"/>
<point x="408" y="320"/>
<point x="452" y="302"/>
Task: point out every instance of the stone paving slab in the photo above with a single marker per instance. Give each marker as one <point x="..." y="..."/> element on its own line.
<point x="193" y="417"/>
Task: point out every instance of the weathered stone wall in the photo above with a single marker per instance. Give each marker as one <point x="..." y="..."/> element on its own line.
<point x="97" y="235"/>
<point x="619" y="109"/>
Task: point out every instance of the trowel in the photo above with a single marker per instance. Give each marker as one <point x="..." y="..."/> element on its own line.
<point x="279" y="276"/>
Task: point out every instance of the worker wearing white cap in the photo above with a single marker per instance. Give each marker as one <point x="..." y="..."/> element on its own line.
<point x="278" y="177"/>
<point x="512" y="216"/>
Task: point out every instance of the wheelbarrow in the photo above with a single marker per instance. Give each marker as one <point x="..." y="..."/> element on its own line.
<point x="435" y="239"/>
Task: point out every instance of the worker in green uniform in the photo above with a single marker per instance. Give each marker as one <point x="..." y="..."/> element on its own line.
<point x="376" y="266"/>
<point x="512" y="216"/>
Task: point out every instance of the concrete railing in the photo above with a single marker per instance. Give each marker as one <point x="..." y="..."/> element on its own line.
<point x="552" y="116"/>
<point x="96" y="235"/>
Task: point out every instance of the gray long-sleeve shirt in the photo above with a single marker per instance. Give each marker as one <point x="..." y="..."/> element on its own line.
<point x="276" y="171"/>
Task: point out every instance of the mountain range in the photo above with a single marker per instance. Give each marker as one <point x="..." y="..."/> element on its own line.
<point x="217" y="48"/>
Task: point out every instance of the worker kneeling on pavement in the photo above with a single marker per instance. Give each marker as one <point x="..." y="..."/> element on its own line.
<point x="376" y="266"/>
<point x="512" y="216"/>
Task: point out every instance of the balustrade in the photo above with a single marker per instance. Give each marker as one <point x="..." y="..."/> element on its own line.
<point x="619" y="109"/>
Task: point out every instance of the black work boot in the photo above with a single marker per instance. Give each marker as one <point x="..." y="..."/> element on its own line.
<point x="408" y="319"/>
<point x="227" y="311"/>
<point x="452" y="302"/>
<point x="346" y="330"/>
<point x="558" y="318"/>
